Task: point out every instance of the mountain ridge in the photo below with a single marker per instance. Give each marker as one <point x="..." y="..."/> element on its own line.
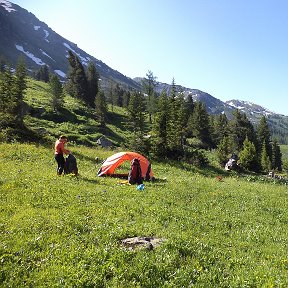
<point x="22" y="33"/>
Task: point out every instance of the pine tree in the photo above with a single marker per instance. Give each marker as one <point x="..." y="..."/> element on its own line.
<point x="19" y="88"/>
<point x="199" y="124"/>
<point x="149" y="85"/>
<point x="264" y="136"/>
<point x="7" y="104"/>
<point x="248" y="156"/>
<point x="160" y="128"/>
<point x="81" y="84"/>
<point x="77" y="81"/>
<point x="223" y="150"/>
<point x="220" y="130"/>
<point x="126" y="98"/>
<point x="276" y="156"/>
<point x="111" y="96"/>
<point x="56" y="88"/>
<point x="93" y="85"/>
<point x="70" y="84"/>
<point x="101" y="108"/>
<point x="175" y="129"/>
<point x="119" y="95"/>
<point x="136" y="112"/>
<point x="42" y="74"/>
<point x="136" y="121"/>
<point x="189" y="105"/>
<point x="239" y="128"/>
<point x="265" y="161"/>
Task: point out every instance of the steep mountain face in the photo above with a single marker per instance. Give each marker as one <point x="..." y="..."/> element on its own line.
<point x="23" y="34"/>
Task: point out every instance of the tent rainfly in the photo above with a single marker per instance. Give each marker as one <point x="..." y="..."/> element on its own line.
<point x="111" y="163"/>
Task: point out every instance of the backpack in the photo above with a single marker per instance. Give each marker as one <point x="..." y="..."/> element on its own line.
<point x="135" y="174"/>
<point x="71" y="165"/>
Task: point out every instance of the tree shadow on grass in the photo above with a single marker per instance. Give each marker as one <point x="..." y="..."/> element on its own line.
<point x="111" y="134"/>
<point x="205" y="170"/>
<point x="118" y="120"/>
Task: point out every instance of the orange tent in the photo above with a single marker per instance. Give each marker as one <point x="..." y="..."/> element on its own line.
<point x="111" y="163"/>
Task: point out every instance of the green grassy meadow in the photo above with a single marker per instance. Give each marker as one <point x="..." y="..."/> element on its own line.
<point x="228" y="231"/>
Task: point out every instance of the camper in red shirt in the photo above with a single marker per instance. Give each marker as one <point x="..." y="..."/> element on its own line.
<point x="59" y="151"/>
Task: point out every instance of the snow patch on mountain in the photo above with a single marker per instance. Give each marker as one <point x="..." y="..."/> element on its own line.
<point x="30" y="55"/>
<point x="249" y="107"/>
<point x="46" y="35"/>
<point x="84" y="60"/>
<point x="231" y="103"/>
<point x="7" y="5"/>
<point x="36" y="28"/>
<point x="44" y="53"/>
<point x="60" y="73"/>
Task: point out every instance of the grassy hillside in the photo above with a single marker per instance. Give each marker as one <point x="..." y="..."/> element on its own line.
<point x="74" y="120"/>
<point x="217" y="229"/>
<point x="227" y="231"/>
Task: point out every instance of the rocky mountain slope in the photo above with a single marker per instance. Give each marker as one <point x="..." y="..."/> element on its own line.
<point x="22" y="33"/>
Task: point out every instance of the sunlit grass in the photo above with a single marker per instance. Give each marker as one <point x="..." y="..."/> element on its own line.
<point x="226" y="231"/>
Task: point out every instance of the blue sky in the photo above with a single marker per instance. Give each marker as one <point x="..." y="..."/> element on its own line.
<point x="231" y="49"/>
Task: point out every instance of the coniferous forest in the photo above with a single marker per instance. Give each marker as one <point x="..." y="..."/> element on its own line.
<point x="163" y="125"/>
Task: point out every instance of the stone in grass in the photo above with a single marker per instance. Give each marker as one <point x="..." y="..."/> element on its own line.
<point x="148" y="243"/>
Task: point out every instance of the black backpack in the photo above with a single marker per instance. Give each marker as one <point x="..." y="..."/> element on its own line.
<point x="135" y="174"/>
<point x="71" y="165"/>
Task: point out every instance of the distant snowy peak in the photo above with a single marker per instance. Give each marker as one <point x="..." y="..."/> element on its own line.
<point x="7" y="5"/>
<point x="251" y="108"/>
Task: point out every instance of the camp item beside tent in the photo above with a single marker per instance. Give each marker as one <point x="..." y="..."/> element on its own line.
<point x="232" y="163"/>
<point x="104" y="142"/>
<point x="111" y="163"/>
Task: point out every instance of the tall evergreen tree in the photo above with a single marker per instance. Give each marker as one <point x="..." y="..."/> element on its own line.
<point x="220" y="130"/>
<point x="175" y="130"/>
<point x="77" y="81"/>
<point x="264" y="136"/>
<point x="101" y="108"/>
<point x="199" y="124"/>
<point x="160" y="127"/>
<point x="42" y="74"/>
<point x="136" y="112"/>
<point x="136" y="121"/>
<point x="70" y="84"/>
<point x="19" y="88"/>
<point x="93" y="85"/>
<point x="276" y="162"/>
<point x="265" y="161"/>
<point x="7" y="104"/>
<point x="149" y="85"/>
<point x="56" y="88"/>
<point x="111" y="95"/>
<point x="81" y="84"/>
<point x="119" y="95"/>
<point x="126" y="98"/>
<point x="239" y="128"/>
<point x="189" y="105"/>
<point x="223" y="150"/>
<point x="248" y="156"/>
